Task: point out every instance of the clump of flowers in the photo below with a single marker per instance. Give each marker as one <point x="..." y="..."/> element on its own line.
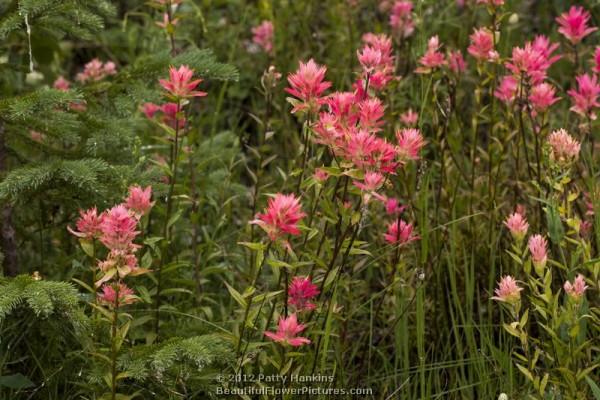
<point x="433" y="57"/>
<point x="287" y="332"/>
<point x="308" y="84"/>
<point x="574" y="24"/>
<point x="180" y="84"/>
<point x="281" y="217"/>
<point x="263" y="36"/>
<point x="585" y="97"/>
<point x="116" y="294"/>
<point x="401" y="19"/>
<point x="410" y="143"/>
<point x="96" y="70"/>
<point x="300" y="293"/>
<point x="482" y="45"/>
<point x="88" y="224"/>
<point x="508" y="291"/>
<point x="564" y="149"/>
<point x="517" y="225"/>
<point x="400" y="233"/>
<point x="539" y="253"/>
<point x="576" y="290"/>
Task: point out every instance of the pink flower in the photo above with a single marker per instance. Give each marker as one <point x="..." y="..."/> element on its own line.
<point x="577" y="289"/>
<point x="574" y="24"/>
<point x="308" y="85"/>
<point x="172" y="115"/>
<point x="369" y="58"/>
<point x="456" y="62"/>
<point x="401" y="20"/>
<point x="410" y="143"/>
<point x="538" y="249"/>
<point x="507" y="89"/>
<point x="95" y="70"/>
<point x="400" y="233"/>
<point x="596" y="60"/>
<point x="263" y="36"/>
<point x="409" y="118"/>
<point x="118" y="229"/>
<point x="482" y="45"/>
<point x="287" y="332"/>
<point x="564" y="149"/>
<point x="61" y="84"/>
<point x="371" y="182"/>
<point x="281" y="216"/>
<point x="542" y="96"/>
<point x="379" y="73"/>
<point x="432" y="58"/>
<point x="300" y="291"/>
<point x="517" y="225"/>
<point x="138" y="200"/>
<point x="371" y="111"/>
<point x="585" y="97"/>
<point x="508" y="291"/>
<point x="533" y="60"/>
<point x="393" y="206"/>
<point x="167" y="21"/>
<point x="88" y="225"/>
<point x="320" y="175"/>
<point x="149" y="109"/>
<point x="496" y="3"/>
<point x="180" y="84"/>
<point x="109" y="294"/>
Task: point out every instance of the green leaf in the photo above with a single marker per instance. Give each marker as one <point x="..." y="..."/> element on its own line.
<point x="594" y="387"/>
<point x="15" y="381"/>
<point x="236" y="295"/>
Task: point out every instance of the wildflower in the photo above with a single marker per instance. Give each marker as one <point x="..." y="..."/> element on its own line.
<point x="409" y="117"/>
<point x="542" y="96"/>
<point x="138" y="201"/>
<point x="308" y="84"/>
<point x="401" y="19"/>
<point x="88" y="225"/>
<point x="393" y="206"/>
<point x="112" y="292"/>
<point x="281" y="216"/>
<point x="263" y="36"/>
<point x="508" y="291"/>
<point x="172" y="115"/>
<point x="496" y="3"/>
<point x="564" y="149"/>
<point x="95" y="70"/>
<point x="118" y="229"/>
<point x="300" y="291"/>
<point x="574" y="24"/>
<point x="320" y="175"/>
<point x="369" y="58"/>
<point x="432" y="58"/>
<point x="371" y="182"/>
<point x="180" y="84"/>
<point x="577" y="289"/>
<point x="149" y="109"/>
<point x="539" y="255"/>
<point x="530" y="62"/>
<point x="382" y="72"/>
<point x="596" y="60"/>
<point x="585" y="97"/>
<point x="507" y="89"/>
<point x="400" y="232"/>
<point x="167" y="21"/>
<point x="456" y="62"/>
<point x="410" y="142"/>
<point x="61" y="84"/>
<point x="371" y="111"/>
<point x="517" y="225"/>
<point x="482" y="45"/>
<point x="287" y="332"/>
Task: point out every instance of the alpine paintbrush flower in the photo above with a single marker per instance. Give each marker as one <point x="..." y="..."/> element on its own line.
<point x="574" y="24"/>
<point x="287" y="332"/>
<point x="410" y="143"/>
<point x="563" y="148"/>
<point x="517" y="225"/>
<point x="507" y="89"/>
<point x="433" y="58"/>
<point x="508" y="291"/>
<point x="180" y="84"/>
<point x="88" y="225"/>
<point x="409" y="118"/>
<point x="61" y="84"/>
<point x="400" y="233"/>
<point x="456" y="62"/>
<point x="139" y="201"/>
<point x="281" y="217"/>
<point x="596" y="60"/>
<point x="116" y="294"/>
<point x="96" y="70"/>
<point x="542" y="96"/>
<point x="118" y="229"/>
<point x="308" y="84"/>
<point x="585" y="97"/>
<point x="263" y="36"/>
<point x="577" y="289"/>
<point x="369" y="58"/>
<point x="401" y="19"/>
<point x="300" y="291"/>
<point x="482" y="45"/>
<point x="539" y="253"/>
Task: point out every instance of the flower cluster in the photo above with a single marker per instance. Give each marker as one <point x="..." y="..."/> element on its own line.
<point x="377" y="62"/>
<point x="96" y="70"/>
<point x="563" y="148"/>
<point x="117" y="229"/>
<point x="281" y="217"/>
<point x="263" y="36"/>
<point x="401" y="19"/>
<point x="308" y="85"/>
<point x="574" y="24"/>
